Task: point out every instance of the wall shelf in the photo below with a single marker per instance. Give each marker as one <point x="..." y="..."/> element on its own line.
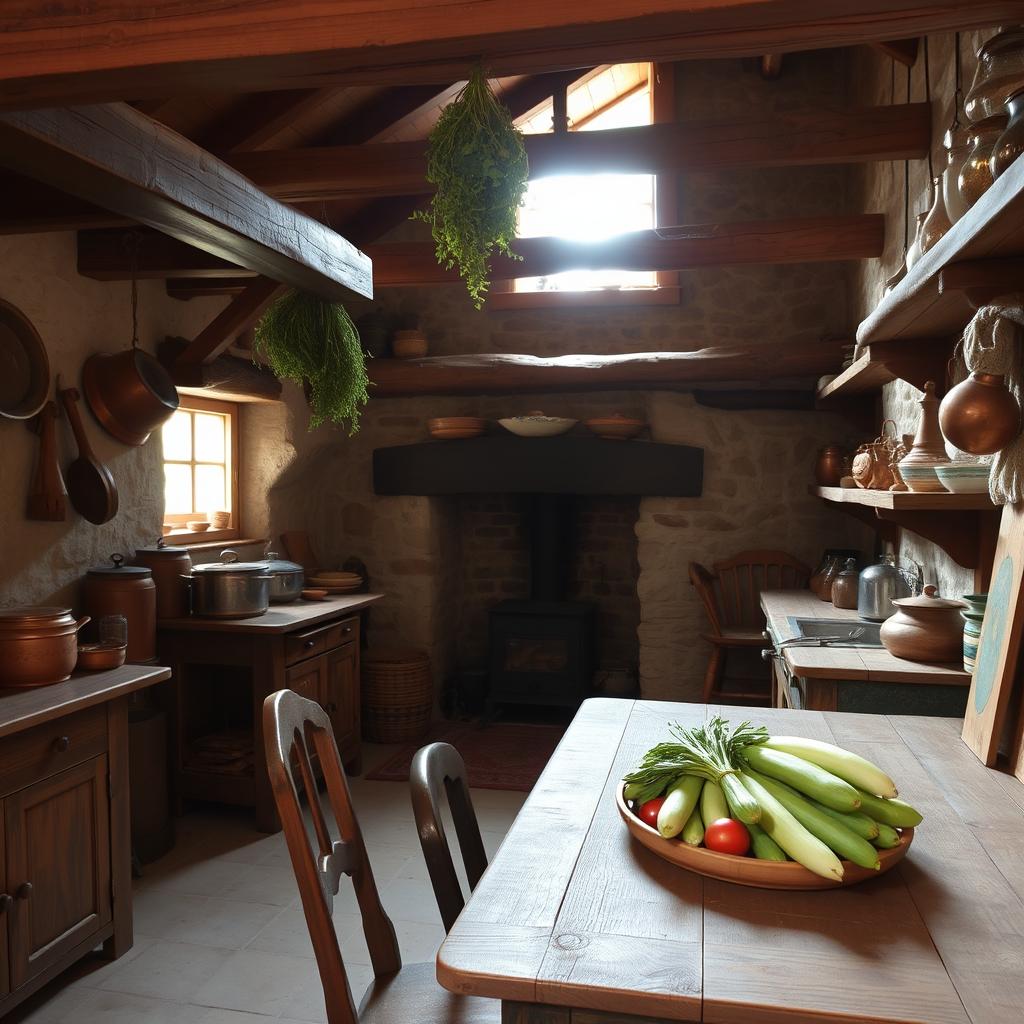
<point x="881" y="362"/>
<point x="965" y="526"/>
<point x="922" y="307"/>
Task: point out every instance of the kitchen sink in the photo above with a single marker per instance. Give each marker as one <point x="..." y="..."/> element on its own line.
<point x="812" y="628"/>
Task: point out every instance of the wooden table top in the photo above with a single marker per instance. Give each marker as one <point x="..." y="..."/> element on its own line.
<point x="282" y="618"/>
<point x="870" y="664"/>
<point x="22" y="709"/>
<point x="573" y="912"/>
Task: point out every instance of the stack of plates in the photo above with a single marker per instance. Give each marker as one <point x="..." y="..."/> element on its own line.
<point x="450" y="428"/>
<point x="335" y="582"/>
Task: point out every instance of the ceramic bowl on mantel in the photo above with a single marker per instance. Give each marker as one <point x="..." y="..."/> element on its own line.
<point x="536" y="424"/>
<point x="616" y="428"/>
<point x="452" y="428"/>
<point x="964" y="477"/>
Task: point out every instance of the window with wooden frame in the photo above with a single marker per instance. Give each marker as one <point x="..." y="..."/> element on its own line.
<point x="593" y="206"/>
<point x="201" y="470"/>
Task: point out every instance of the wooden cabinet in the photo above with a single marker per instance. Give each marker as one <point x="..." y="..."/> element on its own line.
<point x="65" y="850"/>
<point x="223" y="671"/>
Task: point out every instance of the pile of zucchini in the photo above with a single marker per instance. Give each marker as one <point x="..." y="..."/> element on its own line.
<point x="802" y="799"/>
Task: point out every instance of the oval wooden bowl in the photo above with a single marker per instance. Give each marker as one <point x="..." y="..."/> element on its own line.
<point x="762" y="874"/>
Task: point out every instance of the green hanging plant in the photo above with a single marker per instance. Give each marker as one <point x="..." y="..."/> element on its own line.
<point x="314" y="343"/>
<point x="477" y="160"/>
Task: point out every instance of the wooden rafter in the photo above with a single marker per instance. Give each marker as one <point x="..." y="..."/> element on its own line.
<point x="239" y="313"/>
<point x="105" y="155"/>
<point x="52" y="54"/>
<point x="807" y="137"/>
<point x="903" y="51"/>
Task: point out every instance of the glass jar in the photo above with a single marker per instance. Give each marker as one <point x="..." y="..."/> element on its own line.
<point x="976" y="174"/>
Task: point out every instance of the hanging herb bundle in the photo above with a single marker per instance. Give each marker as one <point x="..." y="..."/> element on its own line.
<point x="477" y="160"/>
<point x="313" y="342"/>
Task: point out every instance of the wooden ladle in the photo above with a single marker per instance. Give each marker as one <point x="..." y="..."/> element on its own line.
<point x="91" y="488"/>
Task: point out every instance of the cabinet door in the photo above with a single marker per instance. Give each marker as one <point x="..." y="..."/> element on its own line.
<point x="341" y="696"/>
<point x="307" y="679"/>
<point x="58" y="866"/>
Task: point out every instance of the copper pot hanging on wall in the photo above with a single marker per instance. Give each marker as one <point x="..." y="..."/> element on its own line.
<point x="130" y="393"/>
<point x="980" y="415"/>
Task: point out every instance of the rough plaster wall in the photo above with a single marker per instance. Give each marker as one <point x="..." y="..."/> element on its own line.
<point x="43" y="562"/>
<point x="879" y="189"/>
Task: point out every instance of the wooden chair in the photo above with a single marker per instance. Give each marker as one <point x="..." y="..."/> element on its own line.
<point x="731" y="595"/>
<point x="438" y="770"/>
<point x="296" y="729"/>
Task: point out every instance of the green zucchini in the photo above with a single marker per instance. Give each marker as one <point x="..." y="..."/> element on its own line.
<point x="679" y="803"/>
<point x="764" y="847"/>
<point x="693" y="830"/>
<point x="890" y="812"/>
<point x="712" y="803"/>
<point x="855" y="821"/>
<point x="808" y="778"/>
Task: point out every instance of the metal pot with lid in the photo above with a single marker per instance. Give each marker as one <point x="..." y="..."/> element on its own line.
<point x="169" y="565"/>
<point x="120" y="589"/>
<point x="38" y="645"/>
<point x="883" y="582"/>
<point x="230" y="589"/>
<point x="288" y="579"/>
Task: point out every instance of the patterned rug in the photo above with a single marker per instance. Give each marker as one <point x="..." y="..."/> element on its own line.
<point x="502" y="755"/>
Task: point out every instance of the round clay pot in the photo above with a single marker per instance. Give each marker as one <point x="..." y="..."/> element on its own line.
<point x="408" y="345"/>
<point x="830" y="467"/>
<point x="845" y="586"/>
<point x="980" y="415"/>
<point x="925" y="628"/>
<point x="828" y="578"/>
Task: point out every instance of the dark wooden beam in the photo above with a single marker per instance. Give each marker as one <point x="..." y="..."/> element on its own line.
<point x="105" y="256"/>
<point x="54" y="54"/>
<point x="106" y="154"/>
<point x="259" y="120"/>
<point x="226" y="377"/>
<point x="800" y="240"/>
<point x="807" y="137"/>
<point x="185" y="288"/>
<point x="494" y="374"/>
<point x="30" y="206"/>
<point x="239" y="314"/>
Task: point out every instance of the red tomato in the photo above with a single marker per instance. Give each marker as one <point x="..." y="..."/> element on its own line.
<point x="724" y="835"/>
<point x="648" y="812"/>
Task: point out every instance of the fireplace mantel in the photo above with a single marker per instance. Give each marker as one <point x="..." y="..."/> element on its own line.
<point x="551" y="465"/>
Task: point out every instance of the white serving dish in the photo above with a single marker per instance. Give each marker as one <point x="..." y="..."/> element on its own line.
<point x="537" y="425"/>
<point x="963" y="479"/>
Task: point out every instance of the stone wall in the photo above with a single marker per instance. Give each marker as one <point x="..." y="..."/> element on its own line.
<point x="43" y="562"/>
<point x="879" y="188"/>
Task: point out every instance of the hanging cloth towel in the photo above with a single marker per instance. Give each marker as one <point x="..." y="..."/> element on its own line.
<point x="992" y="344"/>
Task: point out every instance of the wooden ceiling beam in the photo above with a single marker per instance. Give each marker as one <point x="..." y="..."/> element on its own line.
<point x="104" y="256"/>
<point x="801" y="138"/>
<point x="52" y="54"/>
<point x="496" y="374"/>
<point x="185" y="288"/>
<point x="105" y="154"/>
<point x="799" y="240"/>
<point x="904" y="51"/>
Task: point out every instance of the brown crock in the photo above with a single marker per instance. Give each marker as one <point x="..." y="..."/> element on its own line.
<point x="128" y="590"/>
<point x="168" y="565"/>
<point x="830" y="466"/>
<point x="38" y="645"/>
<point x="925" y="628"/>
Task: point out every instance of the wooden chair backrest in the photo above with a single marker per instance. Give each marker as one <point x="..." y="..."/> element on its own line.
<point x="703" y="580"/>
<point x="294" y="729"/>
<point x="438" y="770"/>
<point x="741" y="579"/>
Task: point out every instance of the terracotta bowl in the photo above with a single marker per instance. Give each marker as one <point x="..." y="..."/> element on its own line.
<point x="314" y="594"/>
<point x="100" y="657"/>
<point x="453" y="427"/>
<point x="616" y="428"/>
<point x="198" y="525"/>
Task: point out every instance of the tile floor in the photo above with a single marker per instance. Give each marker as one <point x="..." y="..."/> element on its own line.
<point x="219" y="932"/>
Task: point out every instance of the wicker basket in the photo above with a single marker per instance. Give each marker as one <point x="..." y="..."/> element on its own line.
<point x="398" y="695"/>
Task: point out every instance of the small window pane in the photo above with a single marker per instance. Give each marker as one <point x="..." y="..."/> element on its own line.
<point x="177" y="435"/>
<point x="211" y="492"/>
<point x="210" y="431"/>
<point x="177" y="489"/>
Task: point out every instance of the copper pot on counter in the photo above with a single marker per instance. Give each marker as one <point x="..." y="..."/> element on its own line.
<point x="168" y="565"/>
<point x="830" y="467"/>
<point x="925" y="628"/>
<point x="128" y="590"/>
<point x="38" y="645"/>
<point x="130" y="393"/>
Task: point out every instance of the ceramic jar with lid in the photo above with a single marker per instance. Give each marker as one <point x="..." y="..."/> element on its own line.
<point x="925" y="628"/>
<point x="1010" y="144"/>
<point x="998" y="75"/>
<point x="975" y="176"/>
<point x="128" y="590"/>
<point x="917" y="467"/>
<point x="168" y="565"/>
<point x="38" y="645"/>
<point x="844" y="586"/>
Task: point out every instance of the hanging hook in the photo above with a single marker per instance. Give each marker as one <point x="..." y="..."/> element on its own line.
<point x="133" y="243"/>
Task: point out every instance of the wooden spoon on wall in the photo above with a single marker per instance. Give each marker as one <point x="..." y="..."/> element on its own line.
<point x="91" y="488"/>
<point x="46" y="496"/>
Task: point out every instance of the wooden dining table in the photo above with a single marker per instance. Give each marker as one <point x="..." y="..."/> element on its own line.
<point x="575" y="923"/>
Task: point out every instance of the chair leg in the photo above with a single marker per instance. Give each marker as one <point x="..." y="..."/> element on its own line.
<point x="713" y="674"/>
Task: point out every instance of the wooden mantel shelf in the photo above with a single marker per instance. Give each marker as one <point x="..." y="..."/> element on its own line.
<point x="922" y="305"/>
<point x="965" y="526"/>
<point x="881" y="362"/>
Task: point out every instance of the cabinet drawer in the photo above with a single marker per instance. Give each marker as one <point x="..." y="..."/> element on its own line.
<point x="315" y="641"/>
<point x="47" y="749"/>
<point x="306" y="679"/>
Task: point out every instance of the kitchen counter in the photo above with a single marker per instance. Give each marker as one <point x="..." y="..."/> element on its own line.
<point x="282" y="618"/>
<point x="864" y="679"/>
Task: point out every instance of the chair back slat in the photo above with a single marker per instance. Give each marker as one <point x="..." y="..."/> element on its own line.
<point x="295" y="731"/>
<point x="437" y="770"/>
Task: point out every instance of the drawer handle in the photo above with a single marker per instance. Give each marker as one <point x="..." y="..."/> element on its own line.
<point x="308" y="644"/>
<point x="6" y="902"/>
<point x="62" y="743"/>
<point x="23" y="891"/>
<point x="347" y="629"/>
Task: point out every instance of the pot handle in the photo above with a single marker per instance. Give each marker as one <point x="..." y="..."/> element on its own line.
<point x="83" y="621"/>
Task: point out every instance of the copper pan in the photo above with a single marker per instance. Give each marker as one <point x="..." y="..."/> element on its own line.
<point x="38" y="645"/>
<point x="130" y="393"/>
